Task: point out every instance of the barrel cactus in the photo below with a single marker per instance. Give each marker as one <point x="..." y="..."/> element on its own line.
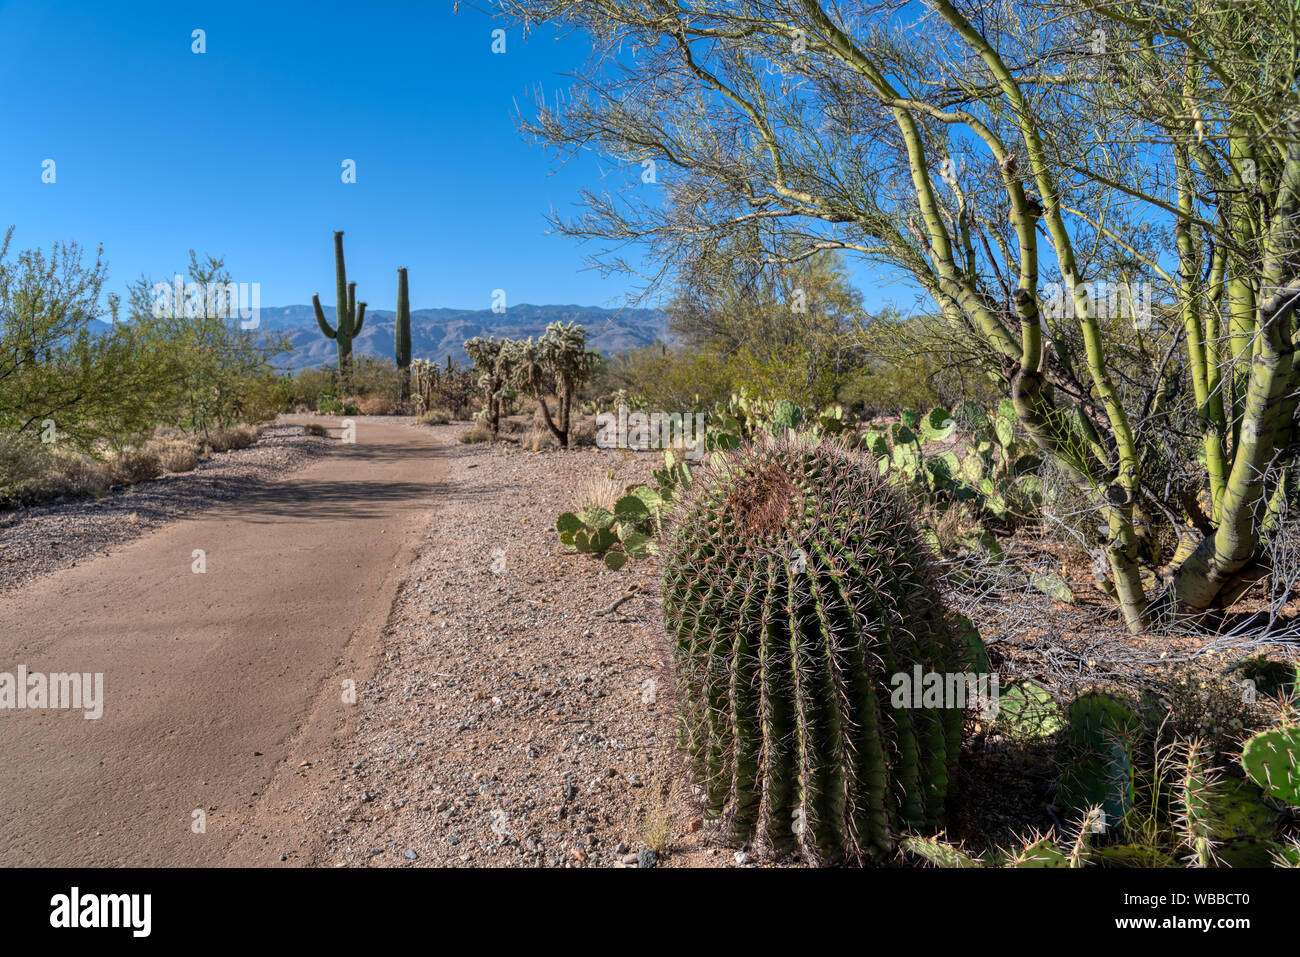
<point x="796" y="590"/>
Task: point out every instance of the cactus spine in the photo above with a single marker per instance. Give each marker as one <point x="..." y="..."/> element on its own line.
<point x="402" y="335"/>
<point x="796" y="590"/>
<point x="349" y="315"/>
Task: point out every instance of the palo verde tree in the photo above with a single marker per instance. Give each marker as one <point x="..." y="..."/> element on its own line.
<point x="65" y="375"/>
<point x="1124" y="153"/>
<point x="215" y="371"/>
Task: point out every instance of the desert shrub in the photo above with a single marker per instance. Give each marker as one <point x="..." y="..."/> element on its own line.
<point x="129" y="466"/>
<point x="22" y="459"/>
<point x="583" y="432"/>
<point x="329" y="404"/>
<point x="75" y="475"/>
<point x="232" y="437"/>
<point x="1207" y="706"/>
<point x="534" y="440"/>
<point x="176" y="455"/>
<point x="378" y="378"/>
<point x="668" y="380"/>
<point x="906" y="362"/>
<point x="514" y="424"/>
<point x="215" y="372"/>
<point x="435" y="416"/>
<point x="306" y="388"/>
<point x="378" y="404"/>
<point x="479" y="433"/>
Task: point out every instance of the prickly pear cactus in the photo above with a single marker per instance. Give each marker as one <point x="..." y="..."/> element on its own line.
<point x="1272" y="759"/>
<point x="1100" y="735"/>
<point x="796" y="590"/>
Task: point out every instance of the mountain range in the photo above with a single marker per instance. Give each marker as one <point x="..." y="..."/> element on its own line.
<point x="439" y="333"/>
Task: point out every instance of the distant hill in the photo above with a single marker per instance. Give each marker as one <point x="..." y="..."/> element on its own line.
<point x="438" y="333"/>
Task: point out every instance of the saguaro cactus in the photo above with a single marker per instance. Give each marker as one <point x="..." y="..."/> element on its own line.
<point x="402" y="335"/>
<point x="797" y="590"/>
<point x="350" y="314"/>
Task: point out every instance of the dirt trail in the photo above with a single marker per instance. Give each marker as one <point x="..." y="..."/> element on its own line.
<point x="212" y="682"/>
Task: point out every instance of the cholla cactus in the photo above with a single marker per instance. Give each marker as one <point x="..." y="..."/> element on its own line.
<point x="556" y="363"/>
<point x="796" y="587"/>
<point x="564" y="350"/>
<point x="350" y="314"/>
<point x="492" y="361"/>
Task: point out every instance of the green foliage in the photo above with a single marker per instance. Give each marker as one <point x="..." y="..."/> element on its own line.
<point x="965" y="457"/>
<point x="776" y="330"/>
<point x="915" y="360"/>
<point x="795" y="584"/>
<point x="1027" y="711"/>
<point x="64" y="373"/>
<point x="1213" y="821"/>
<point x="215" y="374"/>
<point x="328" y="404"/>
<point x="632" y="529"/>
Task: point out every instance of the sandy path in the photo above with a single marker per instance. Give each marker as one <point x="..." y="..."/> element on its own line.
<point x="213" y="681"/>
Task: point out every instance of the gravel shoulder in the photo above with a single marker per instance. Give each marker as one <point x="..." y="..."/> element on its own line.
<point x="44" y="538"/>
<point x="510" y="721"/>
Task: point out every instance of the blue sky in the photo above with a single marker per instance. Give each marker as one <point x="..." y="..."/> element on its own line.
<point x="238" y="151"/>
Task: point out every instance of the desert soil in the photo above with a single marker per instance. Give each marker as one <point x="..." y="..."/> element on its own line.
<point x="210" y="680"/>
<point x="389" y="661"/>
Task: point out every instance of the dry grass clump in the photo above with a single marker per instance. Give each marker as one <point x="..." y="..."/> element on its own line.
<point x="176" y="455"/>
<point x="377" y="404"/>
<point x="480" y="433"/>
<point x="435" y="416"/>
<point x="232" y="437"/>
<point x="534" y="440"/>
<point x="514" y="424"/>
<point x="602" y="491"/>
<point x="130" y="466"/>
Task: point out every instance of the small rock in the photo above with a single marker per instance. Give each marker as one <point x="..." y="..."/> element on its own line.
<point x="647" y="858"/>
<point x="411" y="855"/>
